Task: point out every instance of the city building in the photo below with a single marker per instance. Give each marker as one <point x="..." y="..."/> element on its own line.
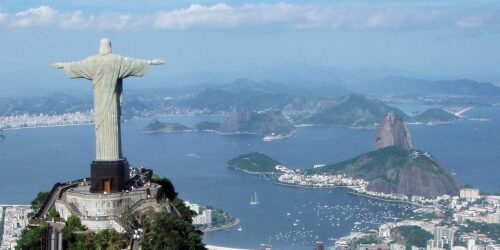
<point x="443" y="236"/>
<point x="204" y="218"/>
<point x="469" y="194"/>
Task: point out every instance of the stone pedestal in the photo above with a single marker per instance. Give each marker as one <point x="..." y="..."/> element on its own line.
<point x="109" y="176"/>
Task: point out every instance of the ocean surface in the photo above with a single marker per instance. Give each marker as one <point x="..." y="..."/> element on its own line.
<point x="32" y="160"/>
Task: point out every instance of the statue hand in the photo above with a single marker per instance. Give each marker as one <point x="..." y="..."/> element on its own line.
<point x="157" y="62"/>
<point x="57" y="65"/>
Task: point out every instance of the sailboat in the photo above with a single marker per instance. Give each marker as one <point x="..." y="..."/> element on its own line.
<point x="254" y="200"/>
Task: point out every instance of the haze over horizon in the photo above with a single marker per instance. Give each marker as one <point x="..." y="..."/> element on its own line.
<point x="221" y="41"/>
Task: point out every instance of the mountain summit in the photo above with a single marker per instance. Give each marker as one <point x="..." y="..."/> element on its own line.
<point x="393" y="131"/>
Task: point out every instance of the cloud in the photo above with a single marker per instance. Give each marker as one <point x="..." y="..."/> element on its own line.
<point x="35" y="16"/>
<point x="332" y="16"/>
<point x="347" y="16"/>
<point x="226" y="16"/>
<point x="3" y="16"/>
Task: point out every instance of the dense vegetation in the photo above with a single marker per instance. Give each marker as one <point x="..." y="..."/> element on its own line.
<point x="75" y="237"/>
<point x="167" y="188"/>
<point x="168" y="231"/>
<point x="411" y="236"/>
<point x="254" y="163"/>
<point x="381" y="162"/>
<point x="491" y="230"/>
<point x="32" y="238"/>
<point x="38" y="202"/>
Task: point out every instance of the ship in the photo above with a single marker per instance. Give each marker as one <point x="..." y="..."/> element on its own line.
<point x="254" y="200"/>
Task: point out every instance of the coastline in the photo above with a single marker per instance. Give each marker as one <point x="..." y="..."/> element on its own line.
<point x="309" y="186"/>
<point x="233" y="223"/>
<point x="48" y="126"/>
<point x="253" y="173"/>
<point x="386" y="199"/>
<point x="354" y="192"/>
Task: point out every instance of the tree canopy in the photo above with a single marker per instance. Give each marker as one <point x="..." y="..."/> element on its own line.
<point x="167" y="231"/>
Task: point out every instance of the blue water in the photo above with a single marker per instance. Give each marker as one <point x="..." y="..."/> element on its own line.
<point x="34" y="159"/>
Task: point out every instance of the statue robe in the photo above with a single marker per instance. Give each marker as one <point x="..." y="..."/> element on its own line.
<point x="106" y="73"/>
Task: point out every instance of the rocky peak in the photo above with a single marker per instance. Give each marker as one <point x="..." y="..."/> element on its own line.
<point x="236" y="118"/>
<point x="393" y="131"/>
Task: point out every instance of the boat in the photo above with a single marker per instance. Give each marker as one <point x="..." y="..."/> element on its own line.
<point x="240" y="229"/>
<point x="254" y="200"/>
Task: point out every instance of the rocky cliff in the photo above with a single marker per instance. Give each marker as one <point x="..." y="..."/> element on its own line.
<point x="392" y="131"/>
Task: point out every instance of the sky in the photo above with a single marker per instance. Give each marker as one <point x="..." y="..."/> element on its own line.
<point x="438" y="40"/>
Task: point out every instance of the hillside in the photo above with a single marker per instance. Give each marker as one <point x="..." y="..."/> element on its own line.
<point x="246" y="121"/>
<point x="255" y="163"/>
<point x="256" y="95"/>
<point x="397" y="170"/>
<point x="352" y="110"/>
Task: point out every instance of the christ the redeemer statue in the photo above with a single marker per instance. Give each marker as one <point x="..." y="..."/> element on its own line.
<point x="107" y="71"/>
<point x="109" y="171"/>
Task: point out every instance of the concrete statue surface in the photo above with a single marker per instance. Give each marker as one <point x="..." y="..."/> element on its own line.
<point x="107" y="71"/>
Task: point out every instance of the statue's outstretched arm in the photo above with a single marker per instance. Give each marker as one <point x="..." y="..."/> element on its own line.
<point x="156" y="62"/>
<point x="57" y="65"/>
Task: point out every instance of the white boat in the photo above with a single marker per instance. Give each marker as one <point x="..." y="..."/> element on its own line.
<point x="240" y="229"/>
<point x="254" y="200"/>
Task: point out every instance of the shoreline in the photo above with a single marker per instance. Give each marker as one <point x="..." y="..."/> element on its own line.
<point x="253" y="173"/>
<point x="351" y="192"/>
<point x="222" y="227"/>
<point x="48" y="126"/>
<point x="310" y="187"/>
<point x="386" y="199"/>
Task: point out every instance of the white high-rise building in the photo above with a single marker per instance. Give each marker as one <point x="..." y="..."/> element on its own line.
<point x="469" y="194"/>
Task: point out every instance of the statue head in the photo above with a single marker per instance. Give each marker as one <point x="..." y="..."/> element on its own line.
<point x="105" y="48"/>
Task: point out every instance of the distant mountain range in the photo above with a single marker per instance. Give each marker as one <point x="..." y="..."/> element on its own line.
<point x="256" y="95"/>
<point x="305" y="102"/>
<point x="397" y="85"/>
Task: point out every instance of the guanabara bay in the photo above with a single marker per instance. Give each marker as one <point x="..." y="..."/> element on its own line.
<point x="240" y="125"/>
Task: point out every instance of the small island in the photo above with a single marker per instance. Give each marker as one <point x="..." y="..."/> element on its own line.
<point x="255" y="163"/>
<point x="167" y="127"/>
<point x="434" y="116"/>
<point x="270" y="124"/>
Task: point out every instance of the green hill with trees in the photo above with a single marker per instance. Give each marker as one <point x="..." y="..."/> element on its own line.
<point x="254" y="163"/>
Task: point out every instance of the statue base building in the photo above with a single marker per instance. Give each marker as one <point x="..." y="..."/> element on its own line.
<point x="109" y="176"/>
<point x="102" y="210"/>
